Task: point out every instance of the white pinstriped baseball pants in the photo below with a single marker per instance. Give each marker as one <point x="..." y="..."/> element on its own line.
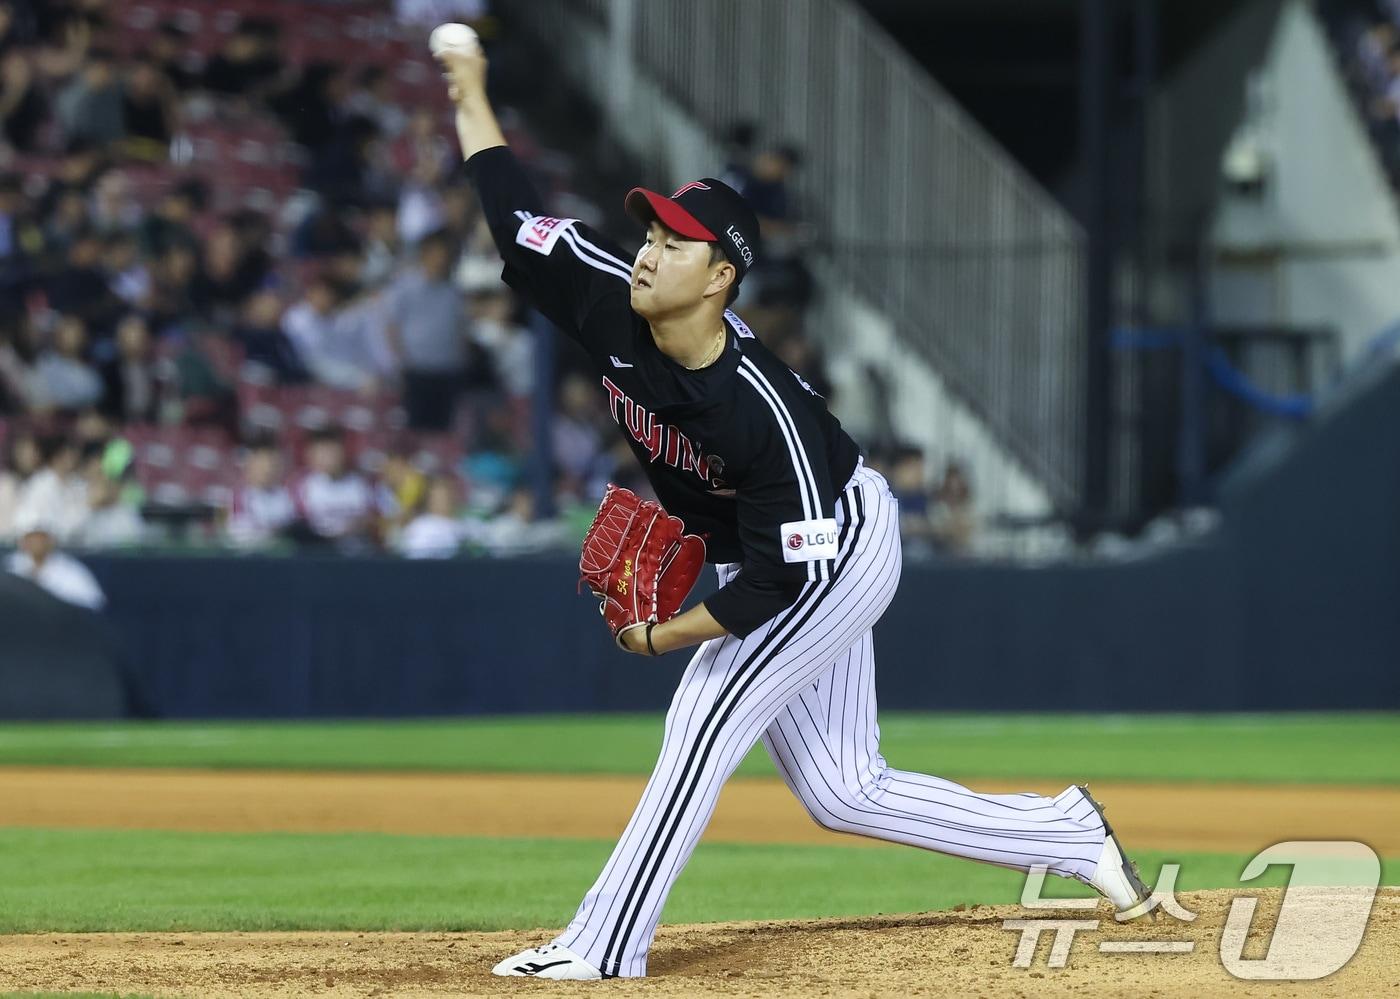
<point x="805" y="684"/>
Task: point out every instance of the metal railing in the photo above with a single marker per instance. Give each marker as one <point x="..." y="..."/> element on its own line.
<point x="979" y="269"/>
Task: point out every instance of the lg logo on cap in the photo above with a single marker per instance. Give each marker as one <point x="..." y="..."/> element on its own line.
<point x="741" y="246"/>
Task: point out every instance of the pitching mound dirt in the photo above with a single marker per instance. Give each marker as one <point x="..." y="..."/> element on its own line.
<point x="967" y="953"/>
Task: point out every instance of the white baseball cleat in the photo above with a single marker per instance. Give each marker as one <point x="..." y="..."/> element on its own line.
<point x="1116" y="877"/>
<point x="550" y="961"/>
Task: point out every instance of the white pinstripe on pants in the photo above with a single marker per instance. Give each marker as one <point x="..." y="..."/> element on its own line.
<point x="805" y="684"/>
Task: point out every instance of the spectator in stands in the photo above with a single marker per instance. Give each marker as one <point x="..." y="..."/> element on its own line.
<point x="332" y="343"/>
<point x="19" y="348"/>
<point x="64" y="217"/>
<point x="516" y="530"/>
<point x="65" y="47"/>
<point x="316" y="107"/>
<point x="325" y="232"/>
<point x="510" y="346"/>
<point x="90" y="108"/>
<point x="380" y="255"/>
<point x="169" y="49"/>
<point x="62" y="377"/>
<point x="783" y="279"/>
<point x="426" y="328"/>
<point x="739" y="140"/>
<point x="23" y="459"/>
<point x="172" y="222"/>
<point x="479" y="266"/>
<point x="1374" y="49"/>
<point x="198" y="393"/>
<point x="578" y="442"/>
<point x="422" y="156"/>
<point x="93" y="432"/>
<point x="908" y="477"/>
<point x="150" y="112"/>
<point x="953" y="514"/>
<point x="767" y="190"/>
<point x="260" y="334"/>
<point x="262" y="509"/>
<point x="79" y="166"/>
<point x="402" y="490"/>
<point x="373" y="98"/>
<point x="56" y="493"/>
<point x="494" y="463"/>
<point x="345" y="169"/>
<point x="128" y="277"/>
<point x="336" y="502"/>
<point x="231" y="272"/>
<point x="15" y="30"/>
<point x="1389" y="103"/>
<point x="437" y="532"/>
<point x="21" y="237"/>
<point x="23" y="107"/>
<point x="171" y="304"/>
<point x="459" y="212"/>
<point x="249" y="65"/>
<point x="113" y="207"/>
<point x="109" y="523"/>
<point x="81" y="288"/>
<point x="131" y="387"/>
<point x="39" y="560"/>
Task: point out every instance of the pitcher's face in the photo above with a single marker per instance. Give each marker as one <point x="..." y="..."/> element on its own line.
<point x="670" y="274"/>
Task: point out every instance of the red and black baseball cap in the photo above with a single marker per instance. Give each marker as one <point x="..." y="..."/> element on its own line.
<point x="705" y="209"/>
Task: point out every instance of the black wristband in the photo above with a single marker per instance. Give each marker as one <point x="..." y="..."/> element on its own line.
<point x="651" y="649"/>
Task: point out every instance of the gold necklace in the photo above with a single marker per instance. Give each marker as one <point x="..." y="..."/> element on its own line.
<point x="710" y="357"/>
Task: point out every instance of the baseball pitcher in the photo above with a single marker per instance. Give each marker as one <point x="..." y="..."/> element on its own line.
<point x="804" y="538"/>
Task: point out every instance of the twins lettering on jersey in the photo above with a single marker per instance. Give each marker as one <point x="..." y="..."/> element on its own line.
<point x="661" y="440"/>
<point x="809" y="540"/>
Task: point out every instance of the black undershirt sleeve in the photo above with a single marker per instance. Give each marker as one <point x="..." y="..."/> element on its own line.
<point x="776" y="495"/>
<point x="748" y="600"/>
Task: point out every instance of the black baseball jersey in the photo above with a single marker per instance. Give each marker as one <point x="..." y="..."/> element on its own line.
<point x="743" y="451"/>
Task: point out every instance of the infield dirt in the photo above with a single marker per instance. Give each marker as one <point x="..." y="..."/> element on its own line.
<point x="1224" y="818"/>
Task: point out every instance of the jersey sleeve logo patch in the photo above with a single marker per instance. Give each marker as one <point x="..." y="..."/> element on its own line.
<point x="809" y="540"/>
<point x="541" y="233"/>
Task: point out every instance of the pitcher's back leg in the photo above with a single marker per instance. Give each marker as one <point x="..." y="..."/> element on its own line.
<point x="825" y="744"/>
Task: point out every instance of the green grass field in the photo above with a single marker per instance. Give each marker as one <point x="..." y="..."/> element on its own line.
<point x="88" y="880"/>
<point x="1357" y="748"/>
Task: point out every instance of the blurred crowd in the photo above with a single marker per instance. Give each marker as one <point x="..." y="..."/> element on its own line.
<point x="1368" y="34"/>
<point x="246" y="298"/>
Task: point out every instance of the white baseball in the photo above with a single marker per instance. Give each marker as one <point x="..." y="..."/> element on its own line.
<point x="451" y="36"/>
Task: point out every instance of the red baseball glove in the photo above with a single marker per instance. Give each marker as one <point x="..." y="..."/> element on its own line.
<point x="638" y="561"/>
